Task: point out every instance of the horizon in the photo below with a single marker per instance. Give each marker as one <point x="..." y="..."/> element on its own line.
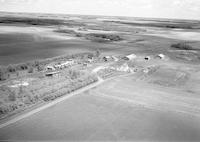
<point x="176" y="9"/>
<point x="43" y="13"/>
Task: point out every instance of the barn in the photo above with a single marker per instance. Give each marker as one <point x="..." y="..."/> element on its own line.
<point x="161" y="56"/>
<point x="130" y="57"/>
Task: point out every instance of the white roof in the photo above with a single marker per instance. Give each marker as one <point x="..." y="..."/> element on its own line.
<point x="49" y="66"/>
<point x="161" y="55"/>
<point x="107" y="57"/>
<point x="131" y="56"/>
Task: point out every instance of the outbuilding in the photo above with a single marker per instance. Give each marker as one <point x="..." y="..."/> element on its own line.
<point x="50" y="68"/>
<point x="161" y="56"/>
<point x="115" y="58"/>
<point x="147" y="58"/>
<point x="130" y="57"/>
<point x="51" y="74"/>
<point x="68" y="63"/>
<point x="107" y="58"/>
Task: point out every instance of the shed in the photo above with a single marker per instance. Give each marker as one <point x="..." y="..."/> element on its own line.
<point x="65" y="64"/>
<point x="107" y="58"/>
<point x="51" y="74"/>
<point x="130" y="57"/>
<point x="50" y="68"/>
<point x="90" y="60"/>
<point x="161" y="56"/>
<point x="147" y="58"/>
<point x="115" y="58"/>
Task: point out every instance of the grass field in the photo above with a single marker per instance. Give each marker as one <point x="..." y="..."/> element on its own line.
<point x="22" y="41"/>
<point x="116" y="110"/>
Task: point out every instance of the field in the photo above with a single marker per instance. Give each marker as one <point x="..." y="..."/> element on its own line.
<point x="116" y="110"/>
<point x="24" y="41"/>
<point x="153" y="96"/>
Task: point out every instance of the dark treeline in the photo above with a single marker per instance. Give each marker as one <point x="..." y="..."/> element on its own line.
<point x="103" y="37"/>
<point x="39" y="21"/>
<point x="44" y="90"/>
<point x="38" y="65"/>
<point x="171" y="25"/>
<point x="95" y="37"/>
<point x="182" y="46"/>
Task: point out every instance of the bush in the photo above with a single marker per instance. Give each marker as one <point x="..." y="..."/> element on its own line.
<point x="30" y="69"/>
<point x="103" y="37"/>
<point x="11" y="69"/>
<point x="182" y="46"/>
<point x="12" y="96"/>
<point x="97" y="53"/>
<point x="3" y="74"/>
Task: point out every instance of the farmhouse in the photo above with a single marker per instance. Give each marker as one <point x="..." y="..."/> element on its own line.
<point x="115" y="58"/>
<point x="107" y="58"/>
<point x="65" y="64"/>
<point x="50" y="68"/>
<point x="161" y="56"/>
<point x="130" y="57"/>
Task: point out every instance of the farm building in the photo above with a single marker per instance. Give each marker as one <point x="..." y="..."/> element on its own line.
<point x="125" y="68"/>
<point x="90" y="56"/>
<point x="115" y="58"/>
<point x="161" y="56"/>
<point x="130" y="57"/>
<point x="107" y="58"/>
<point x="86" y="64"/>
<point x="49" y="68"/>
<point x="51" y="74"/>
<point x="17" y="84"/>
<point x="147" y="58"/>
<point x="65" y="64"/>
<point x="90" y="60"/>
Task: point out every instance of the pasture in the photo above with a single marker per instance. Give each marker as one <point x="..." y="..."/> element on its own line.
<point x="116" y="110"/>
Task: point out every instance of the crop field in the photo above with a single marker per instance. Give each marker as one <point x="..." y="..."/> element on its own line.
<point x="116" y="110"/>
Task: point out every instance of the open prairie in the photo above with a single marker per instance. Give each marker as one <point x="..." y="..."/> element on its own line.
<point x="24" y="39"/>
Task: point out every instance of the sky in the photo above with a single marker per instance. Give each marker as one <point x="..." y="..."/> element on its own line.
<point x="182" y="9"/>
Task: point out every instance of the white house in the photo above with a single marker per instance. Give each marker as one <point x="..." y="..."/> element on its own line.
<point x="115" y="58"/>
<point x="107" y="58"/>
<point x="50" y="68"/>
<point x="65" y="64"/>
<point x="161" y="56"/>
<point x="130" y="57"/>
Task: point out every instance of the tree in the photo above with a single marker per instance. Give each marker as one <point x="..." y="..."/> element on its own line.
<point x="90" y="56"/>
<point x="30" y="69"/>
<point x="11" y="68"/>
<point x="39" y="68"/>
<point x="11" y="96"/>
<point x="3" y="74"/>
<point x="98" y="53"/>
<point x="36" y="63"/>
<point x="182" y="46"/>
